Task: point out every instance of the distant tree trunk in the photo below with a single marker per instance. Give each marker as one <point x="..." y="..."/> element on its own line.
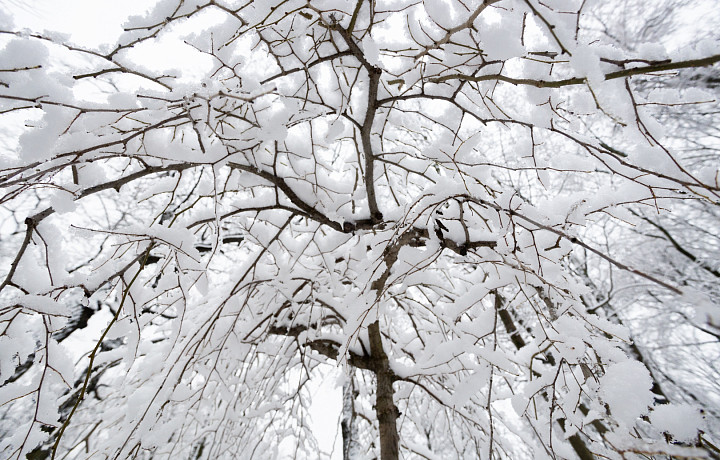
<point x="577" y="443"/>
<point x="347" y="425"/>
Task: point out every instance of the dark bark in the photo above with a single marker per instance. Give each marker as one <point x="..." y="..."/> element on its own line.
<point x="374" y="74"/>
<point x="580" y="448"/>
<point x="386" y="411"/>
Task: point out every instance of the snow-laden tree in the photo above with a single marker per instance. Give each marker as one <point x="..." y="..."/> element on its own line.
<point x="674" y="340"/>
<point x="420" y="196"/>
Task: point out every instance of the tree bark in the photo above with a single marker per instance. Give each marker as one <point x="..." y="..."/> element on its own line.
<point x="349" y="430"/>
<point x="386" y="411"/>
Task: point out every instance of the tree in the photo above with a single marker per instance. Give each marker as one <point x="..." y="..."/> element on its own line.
<point x="425" y="195"/>
<point x="681" y="241"/>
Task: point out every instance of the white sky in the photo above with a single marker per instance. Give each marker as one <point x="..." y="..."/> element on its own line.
<point x="89" y="22"/>
<point x="92" y="23"/>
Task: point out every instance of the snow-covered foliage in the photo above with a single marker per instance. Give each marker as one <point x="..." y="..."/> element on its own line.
<point x="457" y="205"/>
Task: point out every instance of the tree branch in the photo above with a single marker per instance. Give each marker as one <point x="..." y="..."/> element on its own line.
<point x="643" y="70"/>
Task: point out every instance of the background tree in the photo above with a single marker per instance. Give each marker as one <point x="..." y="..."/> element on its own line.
<point x="675" y="338"/>
<point x="435" y="197"/>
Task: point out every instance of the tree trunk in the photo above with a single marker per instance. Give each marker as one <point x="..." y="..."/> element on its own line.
<point x="347" y="425"/>
<point x="385" y="409"/>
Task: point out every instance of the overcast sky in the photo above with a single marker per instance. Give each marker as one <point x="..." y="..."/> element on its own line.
<point x="88" y="21"/>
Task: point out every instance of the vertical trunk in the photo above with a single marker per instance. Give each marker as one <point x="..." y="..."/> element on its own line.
<point x="385" y="409"/>
<point x="580" y="448"/>
<point x="349" y="430"/>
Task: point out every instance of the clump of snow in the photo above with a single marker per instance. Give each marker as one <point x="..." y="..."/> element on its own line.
<point x="682" y="421"/>
<point x="572" y="349"/>
<point x="625" y="387"/>
<point x="63" y="202"/>
<point x="441" y="12"/>
<point x="652" y="51"/>
<point x="587" y="63"/>
<point x="371" y="50"/>
<point x="498" y="43"/>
